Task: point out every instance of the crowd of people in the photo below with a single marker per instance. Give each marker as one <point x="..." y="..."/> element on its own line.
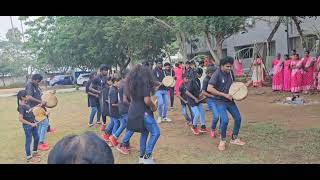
<point x="296" y="75"/>
<point x="126" y="99"/>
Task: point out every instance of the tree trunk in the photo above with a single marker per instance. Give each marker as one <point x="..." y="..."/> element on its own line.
<point x="209" y="45"/>
<point x="182" y="45"/>
<point x="123" y="66"/>
<point x="300" y="31"/>
<point x="273" y="32"/>
<point x="219" y="41"/>
<point x="4" y="84"/>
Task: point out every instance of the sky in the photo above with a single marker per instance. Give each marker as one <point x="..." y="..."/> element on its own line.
<point x="5" y="25"/>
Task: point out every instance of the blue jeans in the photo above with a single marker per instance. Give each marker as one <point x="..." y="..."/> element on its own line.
<point x="215" y="115"/>
<point x="184" y="112"/>
<point x="42" y="129"/>
<point x="30" y="132"/>
<point x="94" y="110"/>
<point x="223" y="107"/>
<point x="123" y="125"/>
<point x="198" y="111"/>
<point x="162" y="97"/>
<point x="152" y="128"/>
<point x="126" y="137"/>
<point x="113" y="126"/>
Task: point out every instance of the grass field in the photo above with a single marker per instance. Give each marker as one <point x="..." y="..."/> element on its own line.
<point x="274" y="133"/>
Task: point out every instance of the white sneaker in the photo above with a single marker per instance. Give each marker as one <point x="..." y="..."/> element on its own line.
<point x="90" y="125"/>
<point x="159" y="120"/>
<point x="140" y="160"/>
<point x="148" y="161"/>
<point x="167" y="119"/>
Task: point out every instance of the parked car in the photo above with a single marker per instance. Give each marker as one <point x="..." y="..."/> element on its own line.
<point x="61" y="80"/>
<point x="83" y="79"/>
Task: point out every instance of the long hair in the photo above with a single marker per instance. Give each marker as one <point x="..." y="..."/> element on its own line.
<point x="138" y="78"/>
<point x="20" y="95"/>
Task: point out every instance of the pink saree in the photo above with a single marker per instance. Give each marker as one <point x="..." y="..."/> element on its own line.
<point x="287" y="76"/>
<point x="277" y="79"/>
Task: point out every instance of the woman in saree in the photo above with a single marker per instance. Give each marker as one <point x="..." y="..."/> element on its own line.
<point x="277" y="79"/>
<point x="287" y="74"/>
<point x="296" y="66"/>
<point x="308" y="72"/>
<point x="238" y="69"/>
<point x="257" y="72"/>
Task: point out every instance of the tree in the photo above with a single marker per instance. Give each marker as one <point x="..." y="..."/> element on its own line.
<point x="86" y="42"/>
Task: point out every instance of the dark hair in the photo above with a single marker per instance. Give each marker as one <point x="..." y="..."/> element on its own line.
<point x="180" y="62"/>
<point x="293" y="50"/>
<point x="37" y="77"/>
<point x="188" y="62"/>
<point x="20" y="95"/>
<point x="193" y="62"/>
<point x="104" y="67"/>
<point x="92" y="75"/>
<point x="115" y="79"/>
<point x="199" y="71"/>
<point x="176" y="64"/>
<point x="137" y="79"/>
<point x="307" y="51"/>
<point x="226" y="60"/>
<point x="210" y="69"/>
<point x="87" y="148"/>
<point x="167" y="64"/>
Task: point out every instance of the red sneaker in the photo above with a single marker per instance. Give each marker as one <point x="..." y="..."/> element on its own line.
<point x="43" y="147"/>
<point x="103" y="127"/>
<point x="105" y="137"/>
<point x="113" y="141"/>
<point x="213" y="134"/>
<point x="195" y="131"/>
<point x="122" y="149"/>
<point x="52" y="130"/>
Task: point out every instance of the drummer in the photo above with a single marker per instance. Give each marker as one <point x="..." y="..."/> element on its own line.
<point x="34" y="94"/>
<point x="219" y="86"/>
<point x="169" y="72"/>
<point x="161" y="93"/>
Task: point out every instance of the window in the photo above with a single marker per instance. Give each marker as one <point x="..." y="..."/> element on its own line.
<point x="224" y="53"/>
<point x="311" y="42"/>
<point x="244" y="51"/>
<point x="272" y="49"/>
<point x="295" y="43"/>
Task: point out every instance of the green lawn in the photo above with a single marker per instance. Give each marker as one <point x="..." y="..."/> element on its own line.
<point x="267" y="141"/>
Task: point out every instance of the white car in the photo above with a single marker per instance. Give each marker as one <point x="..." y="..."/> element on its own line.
<point x="83" y="79"/>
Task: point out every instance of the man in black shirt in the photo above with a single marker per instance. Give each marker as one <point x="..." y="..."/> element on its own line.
<point x="195" y="101"/>
<point x="161" y="93"/>
<point x="210" y="100"/>
<point x="94" y="101"/>
<point x="169" y="72"/>
<point x="219" y="86"/>
<point x="34" y="94"/>
<point x="183" y="98"/>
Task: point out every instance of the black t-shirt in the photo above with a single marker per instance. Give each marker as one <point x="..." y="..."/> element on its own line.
<point x="34" y="91"/>
<point x="94" y="101"/>
<point x="194" y="88"/>
<point x="26" y="112"/>
<point x="113" y="97"/>
<point x="123" y="106"/>
<point x="158" y="75"/>
<point x="104" y="104"/>
<point x="182" y="91"/>
<point x="221" y="82"/>
<point x="138" y="108"/>
<point x="205" y="84"/>
<point x="191" y="72"/>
